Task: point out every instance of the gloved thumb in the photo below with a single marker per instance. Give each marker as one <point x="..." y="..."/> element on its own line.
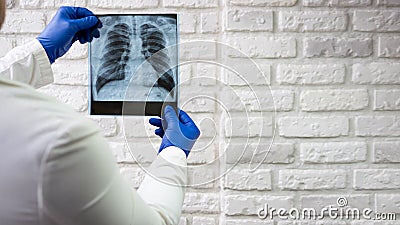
<point x="85" y="23"/>
<point x="170" y="116"/>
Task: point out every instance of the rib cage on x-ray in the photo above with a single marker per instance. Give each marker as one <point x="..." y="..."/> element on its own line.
<point x="133" y="43"/>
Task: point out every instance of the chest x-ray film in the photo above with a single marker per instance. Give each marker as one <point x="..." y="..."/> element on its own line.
<point x="134" y="65"/>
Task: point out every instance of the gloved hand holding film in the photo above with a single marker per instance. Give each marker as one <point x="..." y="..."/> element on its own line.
<point x="181" y="131"/>
<point x="67" y="26"/>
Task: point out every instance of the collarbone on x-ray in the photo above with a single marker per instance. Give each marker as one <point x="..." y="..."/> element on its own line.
<point x="135" y="59"/>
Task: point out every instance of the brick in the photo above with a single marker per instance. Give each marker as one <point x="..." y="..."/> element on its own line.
<point x="318" y="202"/>
<point x="202" y="176"/>
<point x="271" y="47"/>
<point x="30" y="4"/>
<point x="376" y="73"/>
<point x="183" y="221"/>
<point x="277" y="153"/>
<point x="376" y="179"/>
<point x="250" y="204"/>
<point x="258" y="99"/>
<point x="337" y="3"/>
<point x="24" y="22"/>
<point x="248" y="222"/>
<point x="187" y="23"/>
<point x="263" y="2"/>
<point x="206" y="124"/>
<point x="134" y="4"/>
<point x="337" y="47"/>
<point x="209" y="22"/>
<point x="6" y="45"/>
<point x="197" y="101"/>
<point x="198" y="49"/>
<point x="108" y="125"/>
<point x="386" y="152"/>
<point x="333" y="99"/>
<point x="389" y="47"/>
<point x="74" y="96"/>
<point x="67" y="72"/>
<point x="190" y="3"/>
<point x="376" y="126"/>
<point x="310" y="74"/>
<point x="300" y="21"/>
<point x="137" y="127"/>
<point x="382" y="21"/>
<point x="244" y="73"/>
<point x="251" y="126"/>
<point x="249" y="20"/>
<point x="206" y="74"/>
<point x="387" y="203"/>
<point x="333" y="152"/>
<point x="59" y="3"/>
<point x="133" y="175"/>
<point x="203" y="152"/>
<point x="313" y="126"/>
<point x="323" y="221"/>
<point x="389" y="2"/>
<point x="297" y="179"/>
<point x="201" y="202"/>
<point x="200" y="220"/>
<point x="387" y="99"/>
<point x="240" y="178"/>
<point x="121" y="152"/>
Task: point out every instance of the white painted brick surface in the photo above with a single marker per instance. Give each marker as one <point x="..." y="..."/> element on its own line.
<point x="330" y="100"/>
<point x="326" y="75"/>
<point x="263" y="47"/>
<point x="337" y="3"/>
<point x="313" y="126"/>
<point x="310" y="74"/>
<point x="241" y="178"/>
<point x="249" y="20"/>
<point x="263" y="2"/>
<point x="135" y="4"/>
<point x="386" y="151"/>
<point x="377" y="126"/>
<point x="389" y="47"/>
<point x="337" y="47"/>
<point x="312" y="21"/>
<point x="333" y="152"/>
<point x="376" y="179"/>
<point x="384" y="21"/>
<point x="388" y="99"/>
<point x="24" y="22"/>
<point x="249" y="204"/>
<point x="312" y="179"/>
<point x="376" y="73"/>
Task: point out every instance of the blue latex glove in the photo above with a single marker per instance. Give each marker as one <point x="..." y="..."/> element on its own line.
<point x="67" y="26"/>
<point x="181" y="132"/>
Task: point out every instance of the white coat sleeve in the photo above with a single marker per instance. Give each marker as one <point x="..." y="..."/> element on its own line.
<point x="28" y="64"/>
<point x="81" y="184"/>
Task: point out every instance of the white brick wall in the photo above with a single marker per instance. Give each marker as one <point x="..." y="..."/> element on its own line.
<point x="333" y="110"/>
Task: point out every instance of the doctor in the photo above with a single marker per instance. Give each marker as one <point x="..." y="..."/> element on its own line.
<point x="55" y="166"/>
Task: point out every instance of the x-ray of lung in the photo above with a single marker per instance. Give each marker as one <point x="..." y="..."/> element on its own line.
<point x="135" y="59"/>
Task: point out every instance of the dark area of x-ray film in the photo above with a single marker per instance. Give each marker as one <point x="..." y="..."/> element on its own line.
<point x="133" y="59"/>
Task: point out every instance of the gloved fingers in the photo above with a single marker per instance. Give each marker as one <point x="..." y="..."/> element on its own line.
<point x="85" y="23"/>
<point x="170" y="116"/>
<point x="155" y="122"/>
<point x="82" y="39"/>
<point x="185" y="118"/>
<point x="82" y="12"/>
<point x="96" y="33"/>
<point x="159" y="132"/>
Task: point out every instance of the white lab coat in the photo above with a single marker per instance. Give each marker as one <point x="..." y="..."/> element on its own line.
<point x="56" y="168"/>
